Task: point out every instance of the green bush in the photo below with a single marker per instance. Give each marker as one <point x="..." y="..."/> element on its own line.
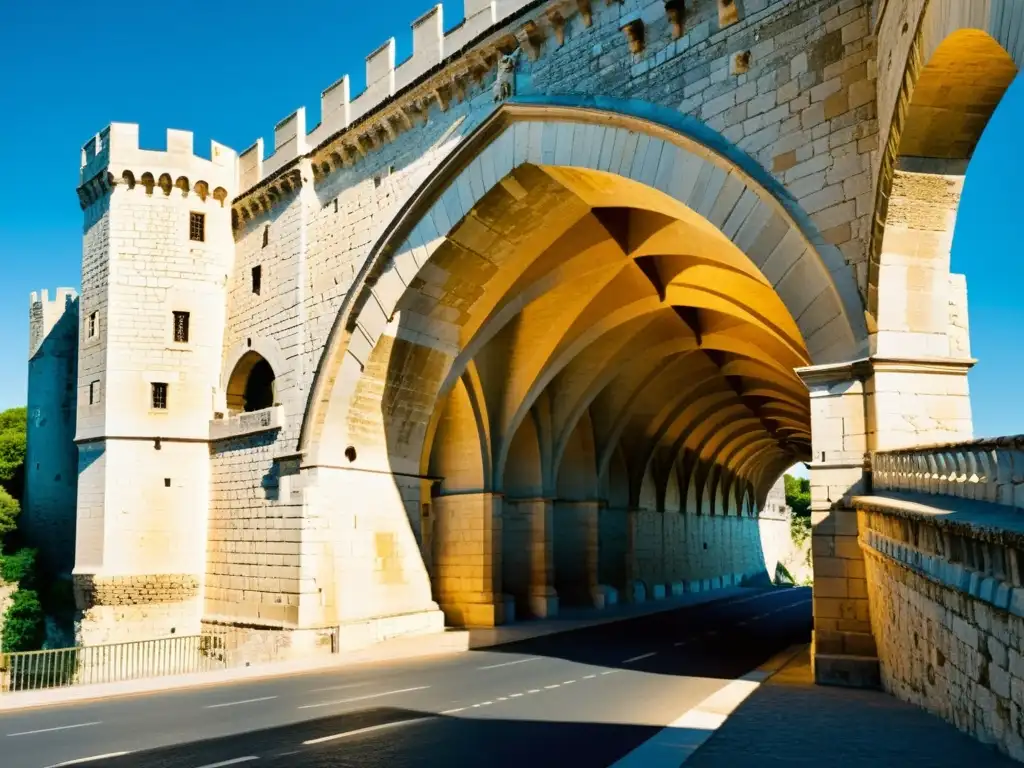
<point x="12" y="450"/>
<point x="9" y="511"/>
<point x="19" y="568"/>
<point x="24" y="624"/>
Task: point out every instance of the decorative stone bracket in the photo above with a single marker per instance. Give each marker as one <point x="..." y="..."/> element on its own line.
<point x="104" y="182"/>
<point x="675" y="11"/>
<point x="634" y="32"/>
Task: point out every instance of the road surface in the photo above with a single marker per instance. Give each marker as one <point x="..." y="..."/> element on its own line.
<point x="584" y="698"/>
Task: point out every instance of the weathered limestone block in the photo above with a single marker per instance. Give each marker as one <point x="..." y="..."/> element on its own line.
<point x="528" y="556"/>
<point x="467" y="558"/>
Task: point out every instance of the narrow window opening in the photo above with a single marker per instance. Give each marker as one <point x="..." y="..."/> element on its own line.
<point x="167" y="482"/>
<point x="159" y="392"/>
<point x="181" y="323"/>
<point x="197" y="227"/>
<point x="94" y="392"/>
<point x="266" y="235"/>
<point x="257" y="279"/>
<point x="94" y="324"/>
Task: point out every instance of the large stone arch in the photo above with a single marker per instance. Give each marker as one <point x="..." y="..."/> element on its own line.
<point x="671" y="153"/>
<point x="582" y="274"/>
<point x="944" y="66"/>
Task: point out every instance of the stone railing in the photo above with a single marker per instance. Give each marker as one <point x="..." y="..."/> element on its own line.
<point x="248" y="423"/>
<point x="942" y="536"/>
<point x="990" y="470"/>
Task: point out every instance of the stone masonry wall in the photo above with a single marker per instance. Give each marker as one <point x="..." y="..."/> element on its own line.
<point x="254" y="538"/>
<point x="949" y="653"/>
<point x="802" y="106"/>
<point x="947" y="611"/>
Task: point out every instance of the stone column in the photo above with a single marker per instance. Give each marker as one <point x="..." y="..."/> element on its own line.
<point x="632" y="593"/>
<point x="529" y="553"/>
<point x="467" y="558"/>
<point x="576" y="551"/>
<point x="612" y="547"/>
<point x="843" y="647"/>
<point x="921" y="347"/>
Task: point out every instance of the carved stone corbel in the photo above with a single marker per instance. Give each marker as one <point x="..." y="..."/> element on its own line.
<point x="441" y="98"/>
<point x="529" y="38"/>
<point x="557" y="22"/>
<point x="585" y="11"/>
<point x="634" y="32"/>
<point x="675" y="11"/>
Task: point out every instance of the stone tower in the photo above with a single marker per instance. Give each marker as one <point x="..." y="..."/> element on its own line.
<point x="157" y="251"/>
<point x="51" y="462"/>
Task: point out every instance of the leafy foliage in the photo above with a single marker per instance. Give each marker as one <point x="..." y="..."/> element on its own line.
<point x="798" y="495"/>
<point x="24" y="623"/>
<point x="9" y="511"/>
<point x="19" y="568"/>
<point x="13" y="425"/>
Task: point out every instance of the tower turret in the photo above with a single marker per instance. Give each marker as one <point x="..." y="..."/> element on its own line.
<point x="51" y="460"/>
<point x="158" y="247"/>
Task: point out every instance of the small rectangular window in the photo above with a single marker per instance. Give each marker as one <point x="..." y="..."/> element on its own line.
<point x="159" y="395"/>
<point x="257" y="279"/>
<point x="181" y="327"/>
<point x="94" y="322"/>
<point x="94" y="392"/>
<point x="197" y="227"/>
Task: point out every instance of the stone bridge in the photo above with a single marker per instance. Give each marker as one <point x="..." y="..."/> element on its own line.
<point x="555" y="301"/>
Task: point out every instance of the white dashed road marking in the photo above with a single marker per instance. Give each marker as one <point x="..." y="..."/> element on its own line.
<point x="233" y="761"/>
<point x="92" y="759"/>
<point x="368" y="729"/>
<point x="364" y="698"/>
<point x="641" y="657"/>
<point x="236" y="703"/>
<point x="49" y="730"/>
<point x="508" y="663"/>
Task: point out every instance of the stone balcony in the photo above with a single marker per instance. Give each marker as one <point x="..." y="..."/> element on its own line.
<point x="243" y="424"/>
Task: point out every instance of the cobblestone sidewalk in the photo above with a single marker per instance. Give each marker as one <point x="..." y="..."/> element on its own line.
<point x="789" y="721"/>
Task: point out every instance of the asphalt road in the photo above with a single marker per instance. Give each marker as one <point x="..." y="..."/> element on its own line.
<point x="582" y="698"/>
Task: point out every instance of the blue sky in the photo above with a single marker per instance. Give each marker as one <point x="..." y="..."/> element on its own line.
<point x="230" y="70"/>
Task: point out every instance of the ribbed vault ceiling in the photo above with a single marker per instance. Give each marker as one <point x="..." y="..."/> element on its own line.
<point x="573" y="297"/>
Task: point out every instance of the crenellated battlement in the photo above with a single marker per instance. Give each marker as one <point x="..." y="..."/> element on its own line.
<point x="113" y="156"/>
<point x="45" y="313"/>
<point x="431" y="46"/>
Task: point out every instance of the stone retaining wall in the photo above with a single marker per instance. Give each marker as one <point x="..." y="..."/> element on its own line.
<point x="947" y="612"/>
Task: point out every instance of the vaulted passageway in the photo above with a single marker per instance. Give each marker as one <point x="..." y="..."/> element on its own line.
<point x="582" y="379"/>
<point x="599" y="322"/>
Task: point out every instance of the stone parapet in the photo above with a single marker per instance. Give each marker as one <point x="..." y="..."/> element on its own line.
<point x="947" y="609"/>
<point x="265" y="420"/>
<point x="91" y="590"/>
<point x="990" y="470"/>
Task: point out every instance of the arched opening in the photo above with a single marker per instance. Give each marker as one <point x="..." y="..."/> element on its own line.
<point x="919" y="305"/>
<point x="605" y="323"/>
<point x="252" y="385"/>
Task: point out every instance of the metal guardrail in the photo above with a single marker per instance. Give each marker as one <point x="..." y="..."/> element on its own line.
<point x="63" y="667"/>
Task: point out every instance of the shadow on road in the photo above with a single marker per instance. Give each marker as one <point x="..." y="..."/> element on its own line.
<point x="400" y="737"/>
<point x="721" y="639"/>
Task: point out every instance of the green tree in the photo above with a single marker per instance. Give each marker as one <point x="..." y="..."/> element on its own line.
<point x="13" y="426"/>
<point x="798" y="495"/>
<point x="24" y="624"/>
